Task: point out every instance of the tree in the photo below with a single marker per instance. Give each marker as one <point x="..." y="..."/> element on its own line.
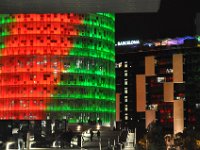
<point x="189" y="138"/>
<point x="155" y="137"/>
<point x="178" y="139"/>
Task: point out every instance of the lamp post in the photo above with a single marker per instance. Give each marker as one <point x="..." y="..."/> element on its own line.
<point x="108" y="142"/>
<point x="146" y="144"/>
<point x="100" y="144"/>
<point x="135" y="137"/>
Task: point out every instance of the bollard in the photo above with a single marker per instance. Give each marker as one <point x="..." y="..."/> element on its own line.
<point x="81" y="141"/>
<point x="28" y="141"/>
<point x="135" y="137"/>
<point x="114" y="142"/>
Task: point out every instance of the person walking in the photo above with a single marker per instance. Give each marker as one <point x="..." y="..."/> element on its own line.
<point x="91" y="135"/>
<point x="98" y="134"/>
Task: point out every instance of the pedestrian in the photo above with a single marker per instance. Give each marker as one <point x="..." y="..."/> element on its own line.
<point x="98" y="134"/>
<point x="20" y="140"/>
<point x="91" y="135"/>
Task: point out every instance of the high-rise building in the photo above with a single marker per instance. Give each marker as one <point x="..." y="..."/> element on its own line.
<point x="57" y="66"/>
<point x="158" y="81"/>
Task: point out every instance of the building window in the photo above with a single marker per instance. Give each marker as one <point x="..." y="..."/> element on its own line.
<point x="125" y="73"/>
<point x="126" y="107"/>
<point x="126" y="117"/>
<point x="125" y="64"/>
<point x="153" y="107"/>
<point x="126" y="90"/>
<point x="160" y="79"/>
<point x="125" y="81"/>
<point x="197" y="106"/>
<point x="169" y="70"/>
<point x="125" y="100"/>
<point x="118" y="65"/>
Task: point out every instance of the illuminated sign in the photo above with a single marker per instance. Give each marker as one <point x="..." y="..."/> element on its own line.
<point x="130" y="42"/>
<point x="164" y="42"/>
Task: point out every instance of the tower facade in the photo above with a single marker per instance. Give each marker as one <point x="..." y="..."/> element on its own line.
<point x="57" y="65"/>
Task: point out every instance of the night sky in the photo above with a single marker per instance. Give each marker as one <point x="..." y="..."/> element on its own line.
<point x="172" y="20"/>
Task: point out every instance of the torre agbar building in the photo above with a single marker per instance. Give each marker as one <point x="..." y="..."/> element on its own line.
<point x="57" y="65"/>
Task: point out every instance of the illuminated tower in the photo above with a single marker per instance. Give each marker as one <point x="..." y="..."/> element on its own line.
<point x="57" y="65"/>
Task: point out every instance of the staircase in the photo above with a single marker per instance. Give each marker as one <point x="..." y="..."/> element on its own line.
<point x="129" y="141"/>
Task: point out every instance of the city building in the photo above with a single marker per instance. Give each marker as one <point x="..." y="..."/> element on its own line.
<point x="57" y="66"/>
<point x="158" y="80"/>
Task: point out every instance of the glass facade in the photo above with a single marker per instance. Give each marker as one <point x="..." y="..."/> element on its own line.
<point x="57" y="65"/>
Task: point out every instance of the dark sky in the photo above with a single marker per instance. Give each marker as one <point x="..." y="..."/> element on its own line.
<point x="175" y="18"/>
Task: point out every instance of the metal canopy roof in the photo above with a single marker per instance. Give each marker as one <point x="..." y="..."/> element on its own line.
<point x="78" y="6"/>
